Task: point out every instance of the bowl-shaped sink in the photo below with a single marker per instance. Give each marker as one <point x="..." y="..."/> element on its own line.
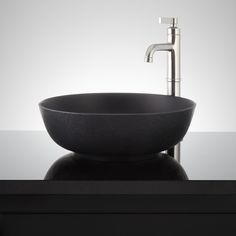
<point x="114" y="124"/>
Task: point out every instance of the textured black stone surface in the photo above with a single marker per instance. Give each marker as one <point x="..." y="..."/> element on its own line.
<point x="119" y="124"/>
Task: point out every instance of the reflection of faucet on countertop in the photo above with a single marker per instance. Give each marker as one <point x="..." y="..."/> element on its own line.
<point x="173" y="64"/>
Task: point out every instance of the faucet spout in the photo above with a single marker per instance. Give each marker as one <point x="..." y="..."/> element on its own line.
<point x="156" y="47"/>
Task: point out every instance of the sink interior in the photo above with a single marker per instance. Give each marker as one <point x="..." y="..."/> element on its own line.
<point x="117" y="103"/>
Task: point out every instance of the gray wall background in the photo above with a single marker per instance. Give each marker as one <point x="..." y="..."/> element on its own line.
<point x="57" y="47"/>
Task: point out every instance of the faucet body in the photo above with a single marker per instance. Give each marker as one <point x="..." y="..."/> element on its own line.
<point x="173" y="66"/>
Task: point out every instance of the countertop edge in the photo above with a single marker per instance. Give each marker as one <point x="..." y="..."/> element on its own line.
<point x="41" y="187"/>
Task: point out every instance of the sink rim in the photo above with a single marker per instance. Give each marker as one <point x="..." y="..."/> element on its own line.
<point x="190" y="107"/>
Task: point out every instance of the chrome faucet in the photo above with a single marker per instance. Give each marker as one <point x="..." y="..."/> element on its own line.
<point x="173" y="65"/>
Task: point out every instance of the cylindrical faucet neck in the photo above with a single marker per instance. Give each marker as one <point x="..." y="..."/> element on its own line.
<point x="173" y="56"/>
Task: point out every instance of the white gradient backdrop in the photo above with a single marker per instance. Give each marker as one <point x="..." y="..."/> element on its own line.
<point x="55" y="47"/>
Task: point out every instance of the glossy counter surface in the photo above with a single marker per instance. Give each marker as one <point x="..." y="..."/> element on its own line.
<point x="27" y="155"/>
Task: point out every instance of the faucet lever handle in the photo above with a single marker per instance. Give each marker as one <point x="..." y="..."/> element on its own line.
<point x="172" y="21"/>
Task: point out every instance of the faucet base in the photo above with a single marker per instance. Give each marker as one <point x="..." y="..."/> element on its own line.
<point x="175" y="152"/>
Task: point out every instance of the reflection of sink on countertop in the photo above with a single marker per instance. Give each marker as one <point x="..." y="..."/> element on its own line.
<point x="110" y="124"/>
<point x="73" y="166"/>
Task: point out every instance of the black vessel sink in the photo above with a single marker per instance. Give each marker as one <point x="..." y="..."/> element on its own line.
<point x="107" y="125"/>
